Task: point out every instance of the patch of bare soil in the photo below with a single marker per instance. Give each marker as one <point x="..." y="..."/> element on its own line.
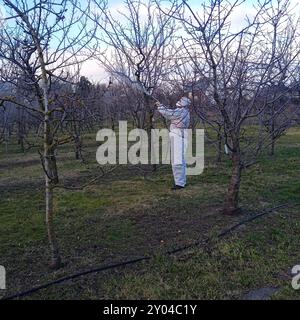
<point x="68" y="179"/>
<point x="158" y="230"/>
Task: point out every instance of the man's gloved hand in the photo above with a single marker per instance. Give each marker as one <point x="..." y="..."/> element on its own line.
<point x="157" y="104"/>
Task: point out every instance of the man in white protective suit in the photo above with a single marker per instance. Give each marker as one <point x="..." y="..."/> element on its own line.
<point x="180" y="120"/>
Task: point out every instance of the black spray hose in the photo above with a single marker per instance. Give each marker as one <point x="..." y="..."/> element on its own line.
<point x="145" y="258"/>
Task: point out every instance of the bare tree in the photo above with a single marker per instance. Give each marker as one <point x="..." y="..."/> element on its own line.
<point x="241" y="67"/>
<point x="41" y="42"/>
<point x="139" y="50"/>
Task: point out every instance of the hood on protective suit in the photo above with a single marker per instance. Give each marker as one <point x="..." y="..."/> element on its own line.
<point x="184" y="102"/>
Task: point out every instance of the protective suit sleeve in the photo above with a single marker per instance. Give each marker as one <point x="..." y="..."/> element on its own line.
<point x="170" y="114"/>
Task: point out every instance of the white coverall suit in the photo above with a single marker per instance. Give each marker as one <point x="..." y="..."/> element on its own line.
<point x="180" y="120"/>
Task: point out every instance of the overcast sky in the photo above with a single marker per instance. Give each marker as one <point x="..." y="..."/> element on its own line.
<point x="94" y="71"/>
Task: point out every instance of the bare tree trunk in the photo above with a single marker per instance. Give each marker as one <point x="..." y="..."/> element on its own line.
<point x="272" y="147"/>
<point x="112" y="121"/>
<point x="150" y="115"/>
<point x="21" y="133"/>
<point x="272" y="129"/>
<point x="6" y="132"/>
<point x="55" y="261"/>
<point x="50" y="167"/>
<point x="78" y="147"/>
<point x="51" y="178"/>
<point x="231" y="203"/>
<point x="77" y="140"/>
<point x="219" y="150"/>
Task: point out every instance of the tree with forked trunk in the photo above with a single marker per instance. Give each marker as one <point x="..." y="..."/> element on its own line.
<point x="41" y="42"/>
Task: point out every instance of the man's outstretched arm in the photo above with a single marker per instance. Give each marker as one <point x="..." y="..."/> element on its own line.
<point x="168" y="113"/>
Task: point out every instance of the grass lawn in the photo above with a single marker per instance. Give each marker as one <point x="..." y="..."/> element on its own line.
<point x="124" y="216"/>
